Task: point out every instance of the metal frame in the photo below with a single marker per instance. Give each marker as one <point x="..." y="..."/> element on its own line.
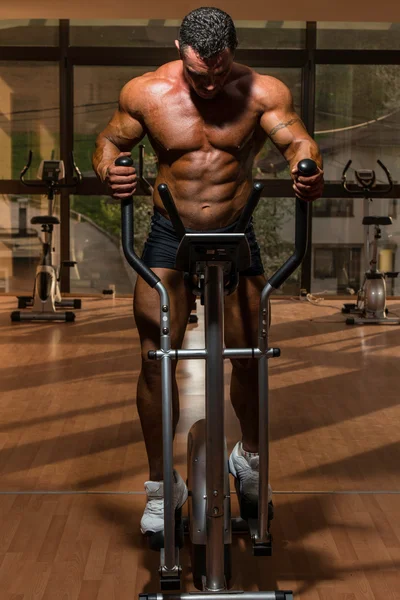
<point x="66" y="145"/>
<point x="69" y="56"/>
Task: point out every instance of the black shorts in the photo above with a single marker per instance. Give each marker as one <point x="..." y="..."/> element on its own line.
<point x="162" y="244"/>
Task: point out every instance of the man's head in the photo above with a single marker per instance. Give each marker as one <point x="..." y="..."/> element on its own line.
<point x="207" y="42"/>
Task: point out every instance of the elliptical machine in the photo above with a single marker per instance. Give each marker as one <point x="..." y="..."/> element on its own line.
<point x="370" y="307"/>
<point x="212" y="262"/>
<point x="46" y="298"/>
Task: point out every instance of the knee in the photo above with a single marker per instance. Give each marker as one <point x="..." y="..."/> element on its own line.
<point x="151" y="368"/>
<point x="245" y="365"/>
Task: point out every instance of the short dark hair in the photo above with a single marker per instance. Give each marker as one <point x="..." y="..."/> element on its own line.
<point x="209" y="31"/>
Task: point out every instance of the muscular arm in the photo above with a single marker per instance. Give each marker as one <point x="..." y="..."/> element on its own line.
<point x="288" y="133"/>
<point x="124" y="131"/>
<point x="284" y="127"/>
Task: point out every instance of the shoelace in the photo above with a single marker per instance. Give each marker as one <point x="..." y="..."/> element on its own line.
<point x="155" y="506"/>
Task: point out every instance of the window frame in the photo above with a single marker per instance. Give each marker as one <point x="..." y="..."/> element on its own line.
<point x="69" y="56"/>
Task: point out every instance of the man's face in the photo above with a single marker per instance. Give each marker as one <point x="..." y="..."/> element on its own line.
<point x="206" y="76"/>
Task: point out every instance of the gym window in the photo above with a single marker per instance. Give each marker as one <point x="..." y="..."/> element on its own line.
<point x="333" y="207"/>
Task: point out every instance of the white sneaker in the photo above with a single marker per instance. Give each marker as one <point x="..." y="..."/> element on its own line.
<point x="246" y="471"/>
<point x="153" y="516"/>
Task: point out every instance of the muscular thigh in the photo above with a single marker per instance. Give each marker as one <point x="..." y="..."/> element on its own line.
<point x="241" y="313"/>
<point x="146" y="306"/>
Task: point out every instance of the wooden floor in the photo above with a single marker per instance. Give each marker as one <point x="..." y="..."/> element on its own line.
<point x="72" y="459"/>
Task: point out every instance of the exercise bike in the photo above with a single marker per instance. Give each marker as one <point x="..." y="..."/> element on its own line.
<point x="212" y="262"/>
<point x="370" y="307"/>
<point x="46" y="298"/>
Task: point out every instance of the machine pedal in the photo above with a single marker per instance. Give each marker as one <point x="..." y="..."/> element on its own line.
<point x="170" y="579"/>
<point x="262" y="549"/>
<point x="169" y="584"/>
<point x="259" y="548"/>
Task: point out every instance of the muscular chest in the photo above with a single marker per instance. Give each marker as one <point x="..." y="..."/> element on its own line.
<point x="182" y="126"/>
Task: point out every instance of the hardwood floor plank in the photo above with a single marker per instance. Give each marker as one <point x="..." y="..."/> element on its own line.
<point x="68" y="422"/>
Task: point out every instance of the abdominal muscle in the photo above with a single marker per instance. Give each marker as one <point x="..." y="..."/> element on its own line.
<point x="209" y="189"/>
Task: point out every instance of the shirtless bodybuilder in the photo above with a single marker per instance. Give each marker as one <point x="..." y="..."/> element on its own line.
<point x="206" y="117"/>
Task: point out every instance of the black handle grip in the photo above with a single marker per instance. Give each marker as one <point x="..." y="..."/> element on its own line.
<point x="388" y="176"/>
<point x="123" y="161"/>
<point x="25" y="169"/>
<point x="346" y="168"/>
<point x="127" y="225"/>
<point x="306" y="168"/>
<point x="170" y="207"/>
<point x="250" y="207"/>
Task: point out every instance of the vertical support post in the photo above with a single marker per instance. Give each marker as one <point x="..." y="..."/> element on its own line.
<point x="308" y="117"/>
<point x="215" y="431"/>
<point x="66" y="145"/>
<point x="169" y="510"/>
<point x="263" y="431"/>
<point x="367" y="242"/>
<point x="22" y="216"/>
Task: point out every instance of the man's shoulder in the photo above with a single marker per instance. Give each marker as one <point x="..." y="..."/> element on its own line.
<point x="264" y="88"/>
<point x="270" y="91"/>
<point x="162" y="78"/>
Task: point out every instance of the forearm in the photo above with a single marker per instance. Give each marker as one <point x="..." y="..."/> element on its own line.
<point x="301" y="149"/>
<point x="104" y="155"/>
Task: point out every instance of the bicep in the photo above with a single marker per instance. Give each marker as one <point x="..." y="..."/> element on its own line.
<point x="124" y="131"/>
<point x="281" y="122"/>
<point x="126" y="127"/>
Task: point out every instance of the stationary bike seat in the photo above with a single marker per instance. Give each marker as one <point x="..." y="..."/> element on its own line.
<point x="45" y="220"/>
<point x="377" y="221"/>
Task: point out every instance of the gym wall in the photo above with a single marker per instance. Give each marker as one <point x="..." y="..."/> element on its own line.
<point x="293" y="10"/>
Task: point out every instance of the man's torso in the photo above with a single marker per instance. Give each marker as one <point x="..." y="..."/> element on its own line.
<point x="205" y="148"/>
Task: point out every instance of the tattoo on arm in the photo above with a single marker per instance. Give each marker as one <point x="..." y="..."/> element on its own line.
<point x="283" y="125"/>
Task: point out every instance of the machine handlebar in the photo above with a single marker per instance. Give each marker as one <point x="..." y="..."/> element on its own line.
<point x="170" y="207"/>
<point x="306" y="168"/>
<point x="53" y="185"/>
<point x="127" y="233"/>
<point x="242" y="223"/>
<point x="366" y="183"/>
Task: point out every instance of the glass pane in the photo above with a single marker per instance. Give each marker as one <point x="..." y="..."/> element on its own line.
<point x="95" y="243"/>
<point x="29" y="32"/>
<point x="20" y="241"/>
<point x="358" y="36"/>
<point x="163" y="33"/>
<point x="339" y="259"/>
<point x="274" y="225"/>
<point x="358" y="117"/>
<point x="29" y="115"/>
<point x="271" y="34"/>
